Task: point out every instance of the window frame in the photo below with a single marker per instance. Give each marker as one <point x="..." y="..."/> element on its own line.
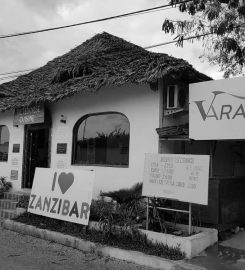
<point x="74" y="140"/>
<point x="8" y="142"/>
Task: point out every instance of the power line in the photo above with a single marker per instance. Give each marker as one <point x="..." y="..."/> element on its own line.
<point x="176" y="41"/>
<point x="18" y="71"/>
<point x="147" y="47"/>
<point x="138" y="12"/>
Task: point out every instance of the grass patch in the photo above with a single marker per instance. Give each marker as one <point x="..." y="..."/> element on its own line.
<point x="125" y="240"/>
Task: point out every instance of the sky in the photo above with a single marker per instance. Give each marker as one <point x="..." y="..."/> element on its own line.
<point x="33" y="51"/>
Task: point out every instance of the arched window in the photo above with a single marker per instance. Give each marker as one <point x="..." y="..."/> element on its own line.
<point x="4" y="143"/>
<point x="101" y="139"/>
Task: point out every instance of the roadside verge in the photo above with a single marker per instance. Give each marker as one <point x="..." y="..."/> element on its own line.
<point x="87" y="246"/>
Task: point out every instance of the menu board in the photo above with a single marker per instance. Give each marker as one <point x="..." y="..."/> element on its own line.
<point x="177" y="177"/>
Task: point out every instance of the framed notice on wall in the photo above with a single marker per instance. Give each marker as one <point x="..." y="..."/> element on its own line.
<point x="61" y="148"/>
<point x="13" y="175"/>
<point x="16" y="148"/>
<point x="177" y="177"/>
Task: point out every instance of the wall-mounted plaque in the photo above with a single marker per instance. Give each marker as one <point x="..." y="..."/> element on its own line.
<point x="15" y="162"/>
<point x="29" y="115"/>
<point x="16" y="148"/>
<point x="61" y="164"/>
<point x="61" y="148"/>
<point x="13" y="175"/>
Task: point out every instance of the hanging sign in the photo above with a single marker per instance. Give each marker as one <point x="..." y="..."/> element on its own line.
<point x="217" y="109"/>
<point x="62" y="194"/>
<point x="29" y="115"/>
<point x="177" y="177"/>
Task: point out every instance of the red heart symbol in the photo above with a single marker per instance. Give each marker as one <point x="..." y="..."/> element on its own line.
<point x="65" y="181"/>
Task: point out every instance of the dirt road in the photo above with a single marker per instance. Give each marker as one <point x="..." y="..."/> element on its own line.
<point x="25" y="252"/>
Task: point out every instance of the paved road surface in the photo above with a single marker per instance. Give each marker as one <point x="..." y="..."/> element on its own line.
<point x="19" y="252"/>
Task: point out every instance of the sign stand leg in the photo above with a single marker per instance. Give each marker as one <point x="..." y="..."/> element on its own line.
<point x="147" y="214"/>
<point x="189" y="218"/>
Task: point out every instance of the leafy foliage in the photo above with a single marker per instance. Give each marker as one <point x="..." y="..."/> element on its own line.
<point x="125" y="195"/>
<point x="130" y="204"/>
<point x="220" y="24"/>
<point x="126" y="208"/>
<point x="23" y="201"/>
<point x="131" y="241"/>
<point x="4" y="185"/>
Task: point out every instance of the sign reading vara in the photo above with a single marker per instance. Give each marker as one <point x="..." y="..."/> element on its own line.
<point x="217" y="109"/>
<point x="62" y="194"/>
<point x="29" y="115"/>
<point x="178" y="177"/>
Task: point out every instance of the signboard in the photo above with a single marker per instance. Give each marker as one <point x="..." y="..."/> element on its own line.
<point x="13" y="175"/>
<point x="16" y="148"/>
<point x="177" y="177"/>
<point x="62" y="194"/>
<point x="61" y="148"/>
<point x="217" y="109"/>
<point x="29" y="115"/>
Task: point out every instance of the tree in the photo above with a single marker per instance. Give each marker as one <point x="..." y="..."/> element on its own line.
<point x="220" y="24"/>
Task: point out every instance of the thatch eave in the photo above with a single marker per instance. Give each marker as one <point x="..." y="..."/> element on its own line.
<point x="101" y="61"/>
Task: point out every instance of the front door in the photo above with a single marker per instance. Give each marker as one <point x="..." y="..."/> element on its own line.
<point x="36" y="152"/>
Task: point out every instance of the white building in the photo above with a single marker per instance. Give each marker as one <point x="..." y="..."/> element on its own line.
<point x="96" y="107"/>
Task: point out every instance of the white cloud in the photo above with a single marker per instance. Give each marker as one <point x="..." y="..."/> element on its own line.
<point x="35" y="50"/>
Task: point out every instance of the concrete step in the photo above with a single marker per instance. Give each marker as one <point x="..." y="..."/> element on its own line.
<point x="7" y="204"/>
<point x="7" y="214"/>
<point x="15" y="196"/>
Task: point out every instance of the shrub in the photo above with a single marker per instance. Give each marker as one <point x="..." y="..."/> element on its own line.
<point x="4" y="185"/>
<point x="23" y="201"/>
<point x="133" y="240"/>
<point x="130" y="204"/>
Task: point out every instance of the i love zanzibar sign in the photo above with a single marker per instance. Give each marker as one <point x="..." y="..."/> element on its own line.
<point x="62" y="194"/>
<point x="217" y="109"/>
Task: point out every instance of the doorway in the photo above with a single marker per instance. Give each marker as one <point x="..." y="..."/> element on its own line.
<point x="36" y="151"/>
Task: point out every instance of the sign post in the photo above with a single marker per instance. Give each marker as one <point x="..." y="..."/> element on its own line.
<point x="177" y="177"/>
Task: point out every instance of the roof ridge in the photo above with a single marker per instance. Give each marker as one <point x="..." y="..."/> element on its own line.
<point x="102" y="60"/>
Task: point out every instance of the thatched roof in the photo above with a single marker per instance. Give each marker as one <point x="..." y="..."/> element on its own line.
<point x="103" y="60"/>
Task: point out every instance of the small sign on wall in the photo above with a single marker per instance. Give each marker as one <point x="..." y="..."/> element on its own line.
<point x="15" y="162"/>
<point x="16" y="148"/>
<point x="62" y="194"/>
<point x="13" y="175"/>
<point x="61" y="148"/>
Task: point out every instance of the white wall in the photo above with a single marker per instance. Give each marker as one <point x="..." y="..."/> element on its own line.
<point x="15" y="160"/>
<point x="141" y="106"/>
